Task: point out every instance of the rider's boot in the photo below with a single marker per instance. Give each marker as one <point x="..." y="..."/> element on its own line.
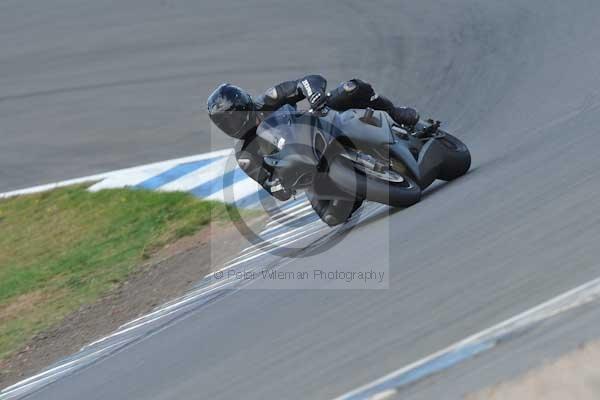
<point x="404" y="116"/>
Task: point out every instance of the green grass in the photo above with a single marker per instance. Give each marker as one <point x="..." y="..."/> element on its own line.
<point x="65" y="248"/>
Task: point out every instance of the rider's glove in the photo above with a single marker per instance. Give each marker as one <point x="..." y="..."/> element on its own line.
<point x="317" y="100"/>
<point x="313" y="88"/>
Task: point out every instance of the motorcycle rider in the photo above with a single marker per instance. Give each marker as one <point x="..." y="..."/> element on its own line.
<point x="234" y="111"/>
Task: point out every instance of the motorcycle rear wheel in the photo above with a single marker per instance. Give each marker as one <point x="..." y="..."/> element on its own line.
<point x="457" y="160"/>
<point x="356" y="183"/>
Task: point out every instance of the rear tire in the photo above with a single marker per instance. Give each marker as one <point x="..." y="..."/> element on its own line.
<point x="457" y="160"/>
<point x="359" y="185"/>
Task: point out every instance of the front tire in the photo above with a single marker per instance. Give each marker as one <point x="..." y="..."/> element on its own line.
<point x="333" y="212"/>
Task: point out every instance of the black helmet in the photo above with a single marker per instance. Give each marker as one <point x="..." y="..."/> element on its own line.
<point x="232" y="110"/>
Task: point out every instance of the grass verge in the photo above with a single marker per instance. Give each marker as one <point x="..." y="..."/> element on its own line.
<point x="64" y="248"/>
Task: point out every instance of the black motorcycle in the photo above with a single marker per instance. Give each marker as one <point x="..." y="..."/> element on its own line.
<point x="343" y="158"/>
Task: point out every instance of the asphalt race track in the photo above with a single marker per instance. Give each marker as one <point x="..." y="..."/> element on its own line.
<point x="90" y="87"/>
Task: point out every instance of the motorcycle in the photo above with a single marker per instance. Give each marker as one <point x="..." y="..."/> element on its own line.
<point x="341" y="159"/>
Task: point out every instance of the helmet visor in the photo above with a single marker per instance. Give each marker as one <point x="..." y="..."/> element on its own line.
<point x="234" y="123"/>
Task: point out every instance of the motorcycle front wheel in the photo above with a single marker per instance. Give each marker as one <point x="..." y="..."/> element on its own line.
<point x="333" y="211"/>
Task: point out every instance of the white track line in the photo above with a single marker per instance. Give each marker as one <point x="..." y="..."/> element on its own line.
<point x="577" y="297"/>
<point x="285" y="216"/>
<point x="285" y="239"/>
<point x="313" y="227"/>
<point x="285" y="212"/>
<point x="286" y="223"/>
<point x="318" y="224"/>
<point x="284" y="233"/>
<point x="17" y="388"/>
<point x="164" y="311"/>
<point x="262" y="253"/>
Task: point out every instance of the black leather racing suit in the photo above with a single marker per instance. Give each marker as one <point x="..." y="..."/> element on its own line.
<point x="351" y="94"/>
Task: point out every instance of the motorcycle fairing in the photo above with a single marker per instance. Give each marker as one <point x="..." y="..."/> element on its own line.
<point x="297" y="159"/>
